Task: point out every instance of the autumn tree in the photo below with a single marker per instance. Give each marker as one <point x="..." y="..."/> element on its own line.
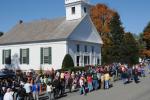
<point x="101" y="16"/>
<point x="146" y="38"/>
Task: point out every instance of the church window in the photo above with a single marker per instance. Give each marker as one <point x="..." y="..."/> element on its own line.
<point x="78" y="48"/>
<point x="46" y="57"/>
<point x="24" y="56"/>
<point x="92" y="49"/>
<point x="73" y="10"/>
<point x="85" y="48"/>
<point x="85" y="10"/>
<point x="86" y="60"/>
<point x="98" y="61"/>
<point x="7" y="56"/>
<point x="78" y="60"/>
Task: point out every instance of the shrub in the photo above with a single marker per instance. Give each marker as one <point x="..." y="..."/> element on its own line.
<point x="68" y="63"/>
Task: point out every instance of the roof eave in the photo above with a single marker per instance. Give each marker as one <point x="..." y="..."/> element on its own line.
<point x="29" y="42"/>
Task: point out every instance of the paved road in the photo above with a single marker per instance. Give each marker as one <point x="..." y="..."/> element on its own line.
<point x="119" y="91"/>
<point x="132" y="91"/>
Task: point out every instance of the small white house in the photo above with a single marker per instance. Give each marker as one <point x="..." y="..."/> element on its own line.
<point x="44" y="43"/>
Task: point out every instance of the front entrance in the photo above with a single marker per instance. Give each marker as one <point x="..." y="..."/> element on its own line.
<point x="86" y="60"/>
<point x="78" y="60"/>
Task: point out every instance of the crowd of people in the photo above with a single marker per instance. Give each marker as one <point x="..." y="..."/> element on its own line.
<point x="56" y="83"/>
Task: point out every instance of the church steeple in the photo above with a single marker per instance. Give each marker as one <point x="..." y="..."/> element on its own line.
<point x="76" y="9"/>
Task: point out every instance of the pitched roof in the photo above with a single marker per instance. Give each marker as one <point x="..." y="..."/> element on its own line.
<point x="41" y="30"/>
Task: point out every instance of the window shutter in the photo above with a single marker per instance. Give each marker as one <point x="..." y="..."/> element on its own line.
<point x="49" y="56"/>
<point x="3" y="57"/>
<point x="41" y="55"/>
<point x="28" y="56"/>
<point x="20" y="56"/>
<point x="9" y="56"/>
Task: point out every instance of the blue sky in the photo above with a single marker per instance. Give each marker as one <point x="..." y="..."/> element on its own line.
<point x="135" y="14"/>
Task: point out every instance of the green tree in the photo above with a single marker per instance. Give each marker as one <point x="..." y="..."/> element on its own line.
<point x="117" y="34"/>
<point x="131" y="49"/>
<point x="106" y="49"/>
<point x="141" y="43"/>
<point x="67" y="62"/>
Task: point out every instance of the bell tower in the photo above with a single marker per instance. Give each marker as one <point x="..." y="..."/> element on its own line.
<point x="76" y="9"/>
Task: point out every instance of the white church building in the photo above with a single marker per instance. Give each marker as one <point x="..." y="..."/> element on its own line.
<point x="44" y="43"/>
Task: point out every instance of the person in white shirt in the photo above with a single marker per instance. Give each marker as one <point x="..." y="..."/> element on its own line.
<point x="27" y="87"/>
<point x="49" y="90"/>
<point x="82" y="85"/>
<point x="8" y="95"/>
<point x="57" y="74"/>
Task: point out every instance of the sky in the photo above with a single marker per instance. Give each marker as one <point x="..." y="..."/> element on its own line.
<point x="135" y="14"/>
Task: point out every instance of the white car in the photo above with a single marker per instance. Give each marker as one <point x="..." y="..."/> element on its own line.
<point x="147" y="60"/>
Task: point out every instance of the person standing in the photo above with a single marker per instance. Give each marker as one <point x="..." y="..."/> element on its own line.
<point x="45" y="79"/>
<point x="74" y="84"/>
<point x="73" y="75"/>
<point x="49" y="90"/>
<point x="56" y="85"/>
<point x="149" y="67"/>
<point x="8" y="95"/>
<point x="143" y="70"/>
<point x="124" y="74"/>
<point x="82" y="85"/>
<point x="135" y="74"/>
<point x="27" y="87"/>
<point x="102" y="80"/>
<point x="62" y="83"/>
<point x="89" y="81"/>
<point x="49" y="79"/>
<point x="70" y="83"/>
<point x="95" y="81"/>
<point x="21" y="93"/>
<point x="2" y="93"/>
<point x="106" y="78"/>
<point x="35" y="91"/>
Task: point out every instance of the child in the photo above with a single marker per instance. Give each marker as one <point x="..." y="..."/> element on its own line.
<point x="82" y="85"/>
<point x="106" y="78"/>
<point x="89" y="81"/>
<point x="49" y="89"/>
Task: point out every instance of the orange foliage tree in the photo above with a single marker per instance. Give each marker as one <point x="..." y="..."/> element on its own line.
<point x="146" y="38"/>
<point x="101" y="16"/>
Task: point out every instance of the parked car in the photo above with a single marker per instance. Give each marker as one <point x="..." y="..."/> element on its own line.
<point x="5" y="73"/>
<point x="147" y="60"/>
